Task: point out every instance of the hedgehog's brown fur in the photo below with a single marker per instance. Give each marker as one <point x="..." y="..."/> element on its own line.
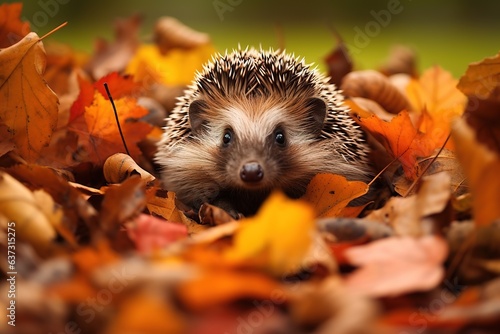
<point x="255" y="94"/>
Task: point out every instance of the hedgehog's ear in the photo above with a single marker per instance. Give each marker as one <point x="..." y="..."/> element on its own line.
<point x="197" y="112"/>
<point x="316" y="109"/>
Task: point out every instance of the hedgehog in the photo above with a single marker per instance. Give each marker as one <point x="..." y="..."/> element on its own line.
<point x="254" y="121"/>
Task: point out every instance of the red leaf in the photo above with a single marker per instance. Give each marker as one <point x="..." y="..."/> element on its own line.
<point x="150" y="233"/>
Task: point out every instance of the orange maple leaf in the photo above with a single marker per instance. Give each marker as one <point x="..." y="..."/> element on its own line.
<point x="119" y="85"/>
<point x="84" y="99"/>
<point x="400" y="138"/>
<point x="98" y="131"/>
<point x="12" y="29"/>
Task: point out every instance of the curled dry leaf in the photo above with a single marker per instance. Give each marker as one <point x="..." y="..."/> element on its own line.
<point x="349" y="229"/>
<point x="35" y="214"/>
<point x="121" y="166"/>
<point x="481" y="167"/>
<point x="394" y="266"/>
<point x="213" y="215"/>
<point x="363" y="107"/>
<point x="375" y="86"/>
<point x="29" y="106"/>
<point x="170" y="33"/>
<point x="401" y="60"/>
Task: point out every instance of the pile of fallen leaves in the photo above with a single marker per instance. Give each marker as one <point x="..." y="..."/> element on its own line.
<point x="91" y="243"/>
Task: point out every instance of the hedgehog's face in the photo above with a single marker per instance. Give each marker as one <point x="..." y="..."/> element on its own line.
<point x="258" y="145"/>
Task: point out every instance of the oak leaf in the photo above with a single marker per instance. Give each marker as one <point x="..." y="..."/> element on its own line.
<point x="329" y="193"/>
<point x="29" y="107"/>
<point x="12" y="30"/>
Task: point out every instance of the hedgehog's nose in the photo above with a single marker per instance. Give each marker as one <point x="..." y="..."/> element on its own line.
<point x="251" y="172"/>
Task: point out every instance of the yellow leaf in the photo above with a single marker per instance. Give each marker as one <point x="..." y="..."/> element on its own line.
<point x="177" y="67"/>
<point x="279" y="235"/>
<point x="29" y="107"/>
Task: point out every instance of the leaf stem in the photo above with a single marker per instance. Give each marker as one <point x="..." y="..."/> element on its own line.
<point x="54" y="30"/>
<point x="116" y="117"/>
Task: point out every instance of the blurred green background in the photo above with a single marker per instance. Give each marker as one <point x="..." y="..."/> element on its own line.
<point x="449" y="33"/>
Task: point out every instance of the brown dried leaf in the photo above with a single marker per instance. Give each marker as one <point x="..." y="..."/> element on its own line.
<point x="114" y="57"/>
<point x="338" y="62"/>
<point x="170" y="33"/>
<point x="482" y="79"/>
<point x="406" y="215"/>
<point x="445" y="162"/>
<point x="401" y="60"/>
<point x="375" y="86"/>
<point x="121" y="203"/>
<point x="481" y="167"/>
<point x="29" y="106"/>
<point x="120" y="166"/>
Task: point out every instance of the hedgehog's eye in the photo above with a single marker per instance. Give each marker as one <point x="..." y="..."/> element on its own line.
<point x="279" y="137"/>
<point x="228" y="136"/>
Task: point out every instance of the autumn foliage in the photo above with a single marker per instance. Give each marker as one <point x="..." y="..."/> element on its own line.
<point x="101" y="247"/>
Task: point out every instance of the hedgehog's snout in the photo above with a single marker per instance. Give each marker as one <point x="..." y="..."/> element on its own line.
<point x="251" y="172"/>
